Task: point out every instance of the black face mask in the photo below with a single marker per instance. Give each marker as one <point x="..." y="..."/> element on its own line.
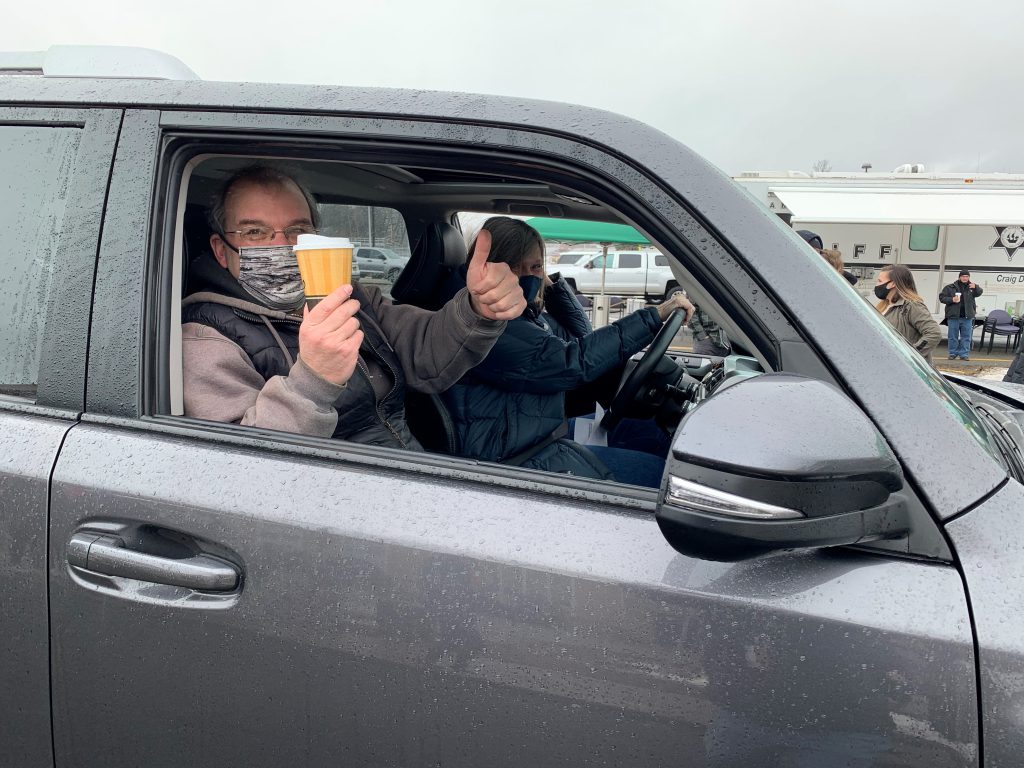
<point x="881" y="292"/>
<point x="531" y="285"/>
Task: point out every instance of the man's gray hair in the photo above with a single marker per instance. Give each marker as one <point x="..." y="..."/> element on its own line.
<point x="263" y="176"/>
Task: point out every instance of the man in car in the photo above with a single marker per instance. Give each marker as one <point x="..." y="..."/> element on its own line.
<point x="252" y="357"/>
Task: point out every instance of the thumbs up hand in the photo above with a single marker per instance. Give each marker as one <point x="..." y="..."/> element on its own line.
<point x="493" y="290"/>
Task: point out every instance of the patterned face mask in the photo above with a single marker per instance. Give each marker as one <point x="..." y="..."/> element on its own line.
<point x="271" y="276"/>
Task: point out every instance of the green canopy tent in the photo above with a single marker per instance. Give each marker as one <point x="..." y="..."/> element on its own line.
<point x="577" y="231"/>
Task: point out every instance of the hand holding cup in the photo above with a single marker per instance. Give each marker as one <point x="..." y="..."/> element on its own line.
<point x="329" y="336"/>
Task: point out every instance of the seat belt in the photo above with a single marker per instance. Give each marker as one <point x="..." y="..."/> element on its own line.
<point x="524" y="456"/>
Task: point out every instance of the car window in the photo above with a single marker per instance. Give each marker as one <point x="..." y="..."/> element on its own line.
<point x="365" y="224"/>
<point x="630" y="260"/>
<point x="660" y="260"/>
<point x="568" y="258"/>
<point x="379" y="265"/>
<point x="36" y="165"/>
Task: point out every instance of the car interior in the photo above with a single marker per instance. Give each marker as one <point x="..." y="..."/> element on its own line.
<point x="415" y="209"/>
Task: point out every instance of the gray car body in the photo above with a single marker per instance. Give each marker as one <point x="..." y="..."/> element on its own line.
<point x="411" y="609"/>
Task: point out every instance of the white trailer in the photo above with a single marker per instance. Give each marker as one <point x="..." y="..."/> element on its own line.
<point x="936" y="224"/>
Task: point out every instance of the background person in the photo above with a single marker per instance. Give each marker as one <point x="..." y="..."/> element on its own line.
<point x="905" y="310"/>
<point x="1015" y="373"/>
<point x="709" y="338"/>
<point x="832" y="255"/>
<point x="961" y="310"/>
<point x="834" y="258"/>
<point x="511" y="407"/>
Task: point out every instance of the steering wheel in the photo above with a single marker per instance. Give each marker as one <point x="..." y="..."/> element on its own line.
<point x="643" y="369"/>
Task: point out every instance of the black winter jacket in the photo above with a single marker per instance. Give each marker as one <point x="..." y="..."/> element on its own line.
<point x="1015" y="373"/>
<point x="967" y="297"/>
<point x="515" y="398"/>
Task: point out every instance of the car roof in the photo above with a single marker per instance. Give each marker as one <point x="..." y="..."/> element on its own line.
<point x="643" y="148"/>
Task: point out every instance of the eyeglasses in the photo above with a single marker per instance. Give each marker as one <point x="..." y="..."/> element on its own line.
<point x="266" y="234"/>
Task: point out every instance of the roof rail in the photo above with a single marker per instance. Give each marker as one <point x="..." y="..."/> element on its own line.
<point x="103" y="61"/>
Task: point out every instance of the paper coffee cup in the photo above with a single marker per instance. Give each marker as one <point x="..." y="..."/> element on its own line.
<point x="324" y="263"/>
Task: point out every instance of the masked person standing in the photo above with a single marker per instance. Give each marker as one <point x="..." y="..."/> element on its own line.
<point x="252" y="355"/>
<point x="903" y="307"/>
<point x="961" y="310"/>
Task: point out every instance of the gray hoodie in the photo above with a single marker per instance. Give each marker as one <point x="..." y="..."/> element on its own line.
<point x="221" y="383"/>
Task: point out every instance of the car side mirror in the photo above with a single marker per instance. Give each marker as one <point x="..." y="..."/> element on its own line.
<point x="589" y="265"/>
<point x="778" y="462"/>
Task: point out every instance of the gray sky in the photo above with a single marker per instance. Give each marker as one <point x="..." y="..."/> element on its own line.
<point x="751" y="85"/>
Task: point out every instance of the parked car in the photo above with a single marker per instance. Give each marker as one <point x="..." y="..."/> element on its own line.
<point x="379" y="263"/>
<point x="831" y="572"/>
<point x="622" y="273"/>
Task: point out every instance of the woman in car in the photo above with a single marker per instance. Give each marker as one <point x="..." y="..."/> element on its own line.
<point x="904" y="308"/>
<point x="511" y="407"/>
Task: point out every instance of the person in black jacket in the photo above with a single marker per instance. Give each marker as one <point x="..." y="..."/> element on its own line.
<point x="830" y="255"/>
<point x="511" y="406"/>
<point x="1015" y="373"/>
<point x="960" y="312"/>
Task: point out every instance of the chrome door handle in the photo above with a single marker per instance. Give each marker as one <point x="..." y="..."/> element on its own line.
<point x="108" y="555"/>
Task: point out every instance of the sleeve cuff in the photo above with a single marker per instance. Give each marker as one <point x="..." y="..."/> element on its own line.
<point x="306" y="382"/>
<point x="470" y="320"/>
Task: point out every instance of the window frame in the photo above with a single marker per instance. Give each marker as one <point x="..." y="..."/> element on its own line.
<point x="158" y="145"/>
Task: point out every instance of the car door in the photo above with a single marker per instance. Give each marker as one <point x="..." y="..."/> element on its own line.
<point x="372" y="262"/>
<point x="596" y="272"/>
<point x="631" y="273"/>
<point x="222" y="596"/>
<point x="54" y="164"/>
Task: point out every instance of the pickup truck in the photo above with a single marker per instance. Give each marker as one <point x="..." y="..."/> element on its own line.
<point x="628" y="273"/>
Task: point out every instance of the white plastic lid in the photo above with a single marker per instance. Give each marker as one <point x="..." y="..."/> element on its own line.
<point x="310" y="242"/>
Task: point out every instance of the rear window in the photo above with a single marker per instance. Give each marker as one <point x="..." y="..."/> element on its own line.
<point x="568" y="258"/>
<point x="368" y="226"/>
<point x="36" y="165"/>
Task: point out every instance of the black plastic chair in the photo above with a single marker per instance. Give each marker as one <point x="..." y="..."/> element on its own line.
<point x="999" y="323"/>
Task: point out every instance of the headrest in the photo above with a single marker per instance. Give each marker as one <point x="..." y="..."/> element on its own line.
<point x="439" y="252"/>
<point x="195" y="243"/>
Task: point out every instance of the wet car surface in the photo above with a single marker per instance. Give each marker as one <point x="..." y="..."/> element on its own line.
<point x="829" y="572"/>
